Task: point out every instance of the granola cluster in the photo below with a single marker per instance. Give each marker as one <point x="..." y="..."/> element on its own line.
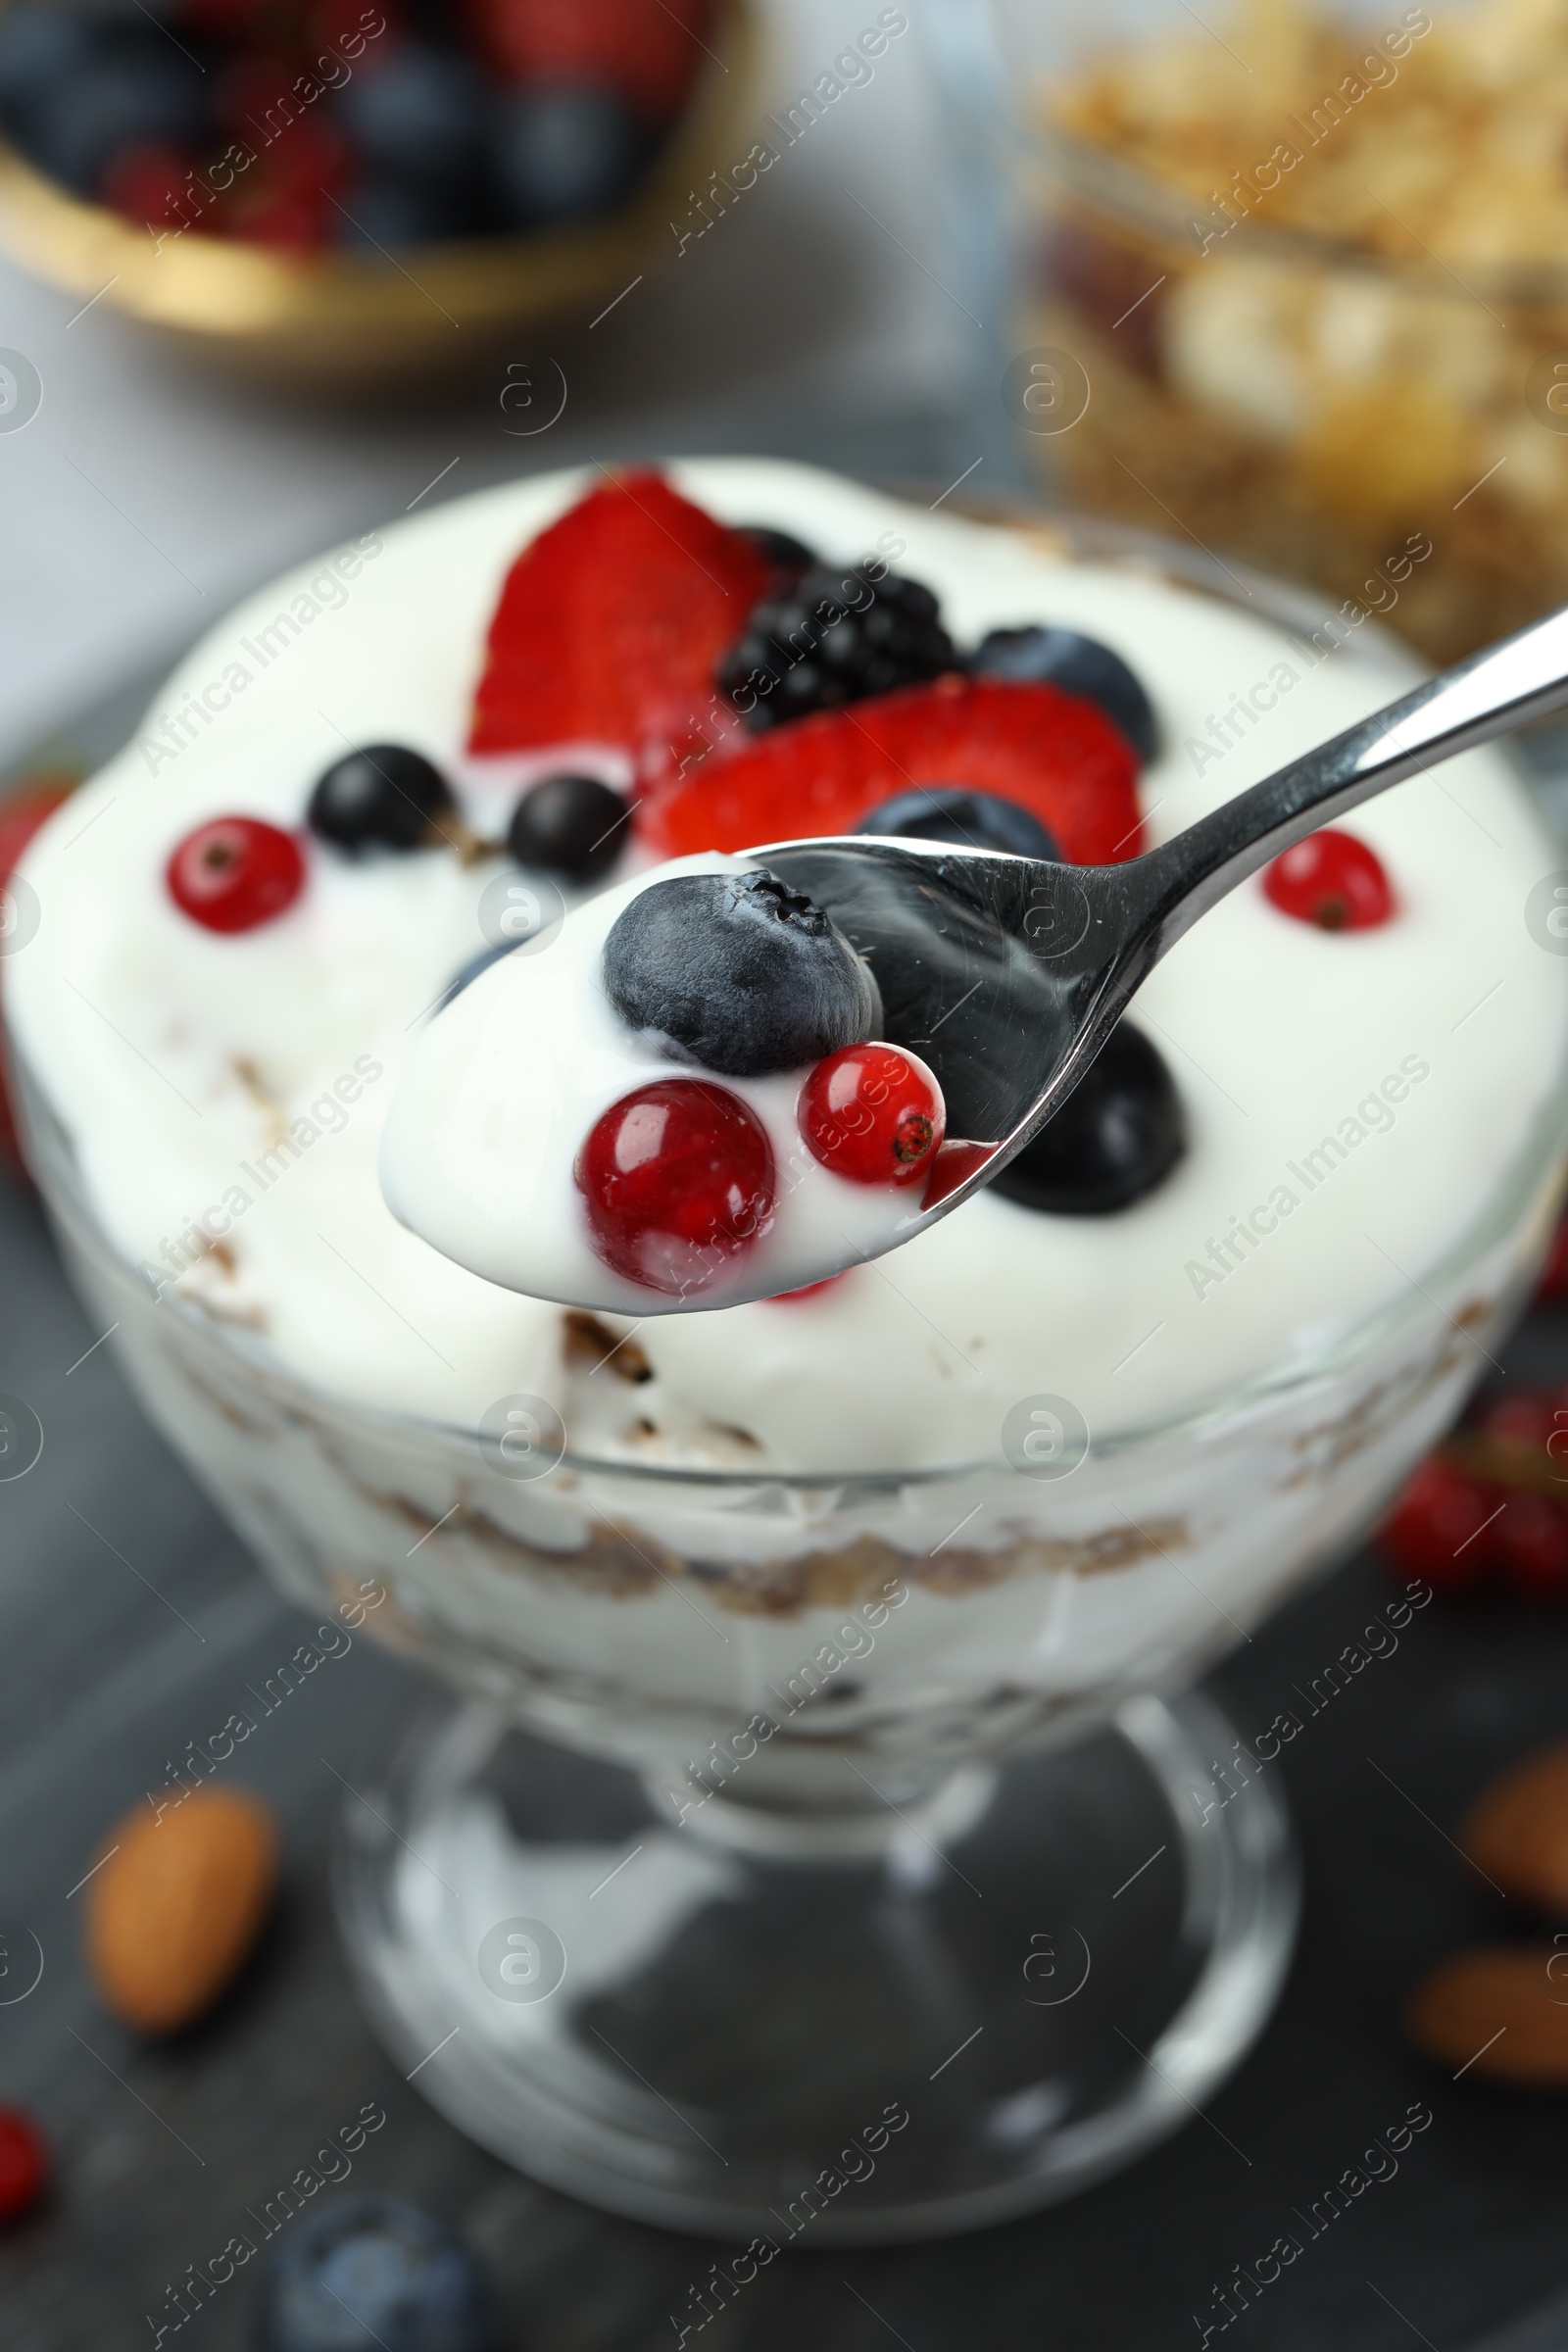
<point x="1317" y="283"/>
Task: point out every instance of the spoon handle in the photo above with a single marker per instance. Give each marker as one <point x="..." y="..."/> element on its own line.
<point x="1522" y="677"/>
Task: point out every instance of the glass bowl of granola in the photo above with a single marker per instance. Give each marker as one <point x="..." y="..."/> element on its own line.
<point x="1296" y="284"/>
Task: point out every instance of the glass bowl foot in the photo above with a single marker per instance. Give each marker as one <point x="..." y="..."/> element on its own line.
<point x="1005" y="1991"/>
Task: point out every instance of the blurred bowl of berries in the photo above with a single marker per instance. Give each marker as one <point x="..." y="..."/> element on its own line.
<point x="354" y="194"/>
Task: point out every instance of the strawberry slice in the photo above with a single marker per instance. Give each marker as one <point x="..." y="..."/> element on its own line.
<point x="1053" y="753"/>
<point x="652" y="54"/>
<point x="611" y="620"/>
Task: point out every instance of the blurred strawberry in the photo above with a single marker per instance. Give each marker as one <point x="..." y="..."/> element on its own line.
<point x="1053" y="754"/>
<point x="651" y="51"/>
<point x="611" y="621"/>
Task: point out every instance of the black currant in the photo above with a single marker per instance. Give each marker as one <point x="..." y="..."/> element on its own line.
<point x="383" y="795"/>
<point x="574" y="825"/>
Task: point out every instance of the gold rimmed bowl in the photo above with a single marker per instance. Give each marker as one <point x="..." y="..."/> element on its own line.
<point x="350" y="322"/>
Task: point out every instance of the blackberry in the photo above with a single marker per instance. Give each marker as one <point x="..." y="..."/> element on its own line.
<point x="833" y="637"/>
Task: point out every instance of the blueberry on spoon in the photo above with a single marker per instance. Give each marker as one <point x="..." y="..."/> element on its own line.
<point x="738" y="973"/>
<point x="1118" y="1136"/>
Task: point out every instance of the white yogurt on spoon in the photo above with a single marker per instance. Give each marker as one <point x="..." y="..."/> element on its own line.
<point x="483" y="1152"/>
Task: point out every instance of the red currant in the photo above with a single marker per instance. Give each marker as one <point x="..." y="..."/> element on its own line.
<point x="24" y="2164"/>
<point x="679" y="1183"/>
<point x="1435" y="1529"/>
<point x="1332" y="880"/>
<point x="873" y="1114"/>
<point x="236" y="873"/>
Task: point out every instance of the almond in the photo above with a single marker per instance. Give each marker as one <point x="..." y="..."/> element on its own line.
<point x="174" y="1911"/>
<point x="1500" y="2013"/>
<point x="1516" y="1834"/>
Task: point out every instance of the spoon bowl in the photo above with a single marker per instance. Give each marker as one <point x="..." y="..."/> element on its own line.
<point x="1006" y="974"/>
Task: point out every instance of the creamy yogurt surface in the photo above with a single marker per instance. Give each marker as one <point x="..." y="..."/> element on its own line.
<point x="1352" y="1100"/>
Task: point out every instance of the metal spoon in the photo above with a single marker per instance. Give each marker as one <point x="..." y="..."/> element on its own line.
<point x="1008" y="974"/>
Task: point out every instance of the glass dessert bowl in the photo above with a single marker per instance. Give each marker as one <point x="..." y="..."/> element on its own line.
<point x="825" y="1808"/>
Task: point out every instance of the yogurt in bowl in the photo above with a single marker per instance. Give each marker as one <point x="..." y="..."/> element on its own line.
<point x="1082" y="1438"/>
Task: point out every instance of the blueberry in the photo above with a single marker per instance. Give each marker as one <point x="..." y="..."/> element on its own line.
<point x="421" y="117"/>
<point x="127" y="93"/>
<point x="738" y="973"/>
<point x="39" y="47"/>
<point x="373" y="2269"/>
<point x="1119" y="1134"/>
<point x="386" y="212"/>
<point x="1078" y="666"/>
<point x="970" y="820"/>
<point x="783" y="554"/>
<point x="383" y="796"/>
<point x="563" y="151"/>
<point x="574" y="825"/>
